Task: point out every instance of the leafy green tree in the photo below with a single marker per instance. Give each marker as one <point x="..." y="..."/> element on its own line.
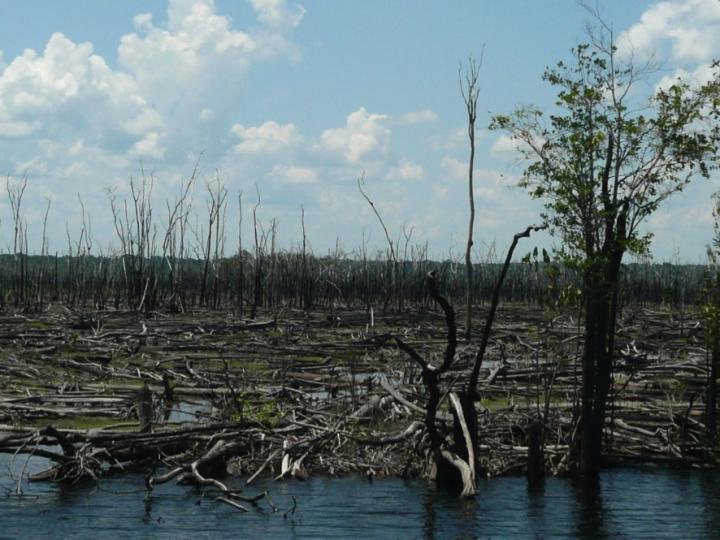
<point x="602" y="162"/>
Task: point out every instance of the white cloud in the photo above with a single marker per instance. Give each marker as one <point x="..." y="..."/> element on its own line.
<point x="68" y="89"/>
<point x="148" y="147"/>
<point x="275" y="13"/>
<point x="418" y="117"/>
<point x="145" y="121"/>
<point x="143" y="22"/>
<point x="176" y="62"/>
<point x="488" y="183"/>
<point x="206" y="115"/>
<point x="294" y="175"/>
<point x="504" y="144"/>
<point x="405" y="170"/>
<point x="193" y="59"/>
<point x="454" y="169"/>
<point x="363" y="135"/>
<point x="491" y="185"/>
<point x="265" y="138"/>
<point x="698" y="76"/>
<point x="75" y="123"/>
<point x="441" y="191"/>
<point x="457" y="138"/>
<point x="17" y="129"/>
<point x="686" y="30"/>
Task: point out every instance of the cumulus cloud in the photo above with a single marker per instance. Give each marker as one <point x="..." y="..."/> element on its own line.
<point x="294" y="175"/>
<point x="167" y="73"/>
<point x="489" y="183"/>
<point x="177" y="62"/>
<point x="68" y="90"/>
<point x="76" y="122"/>
<point x="148" y="147"/>
<point x="275" y="13"/>
<point x="206" y="115"/>
<point x="265" y="138"/>
<point x="18" y="129"/>
<point x="455" y="139"/>
<point x="405" y="170"/>
<point x="504" y="144"/>
<point x="418" y="117"/>
<point x="685" y="30"/>
<point x="453" y="168"/>
<point x="364" y="134"/>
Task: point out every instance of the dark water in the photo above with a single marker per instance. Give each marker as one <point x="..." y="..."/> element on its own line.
<point x="628" y="503"/>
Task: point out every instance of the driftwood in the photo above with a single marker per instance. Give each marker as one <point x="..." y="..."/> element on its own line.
<point x="228" y="397"/>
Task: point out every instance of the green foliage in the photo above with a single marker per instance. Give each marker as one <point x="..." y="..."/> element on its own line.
<point x="602" y="163"/>
<point x="557" y="293"/>
<point x="267" y="414"/>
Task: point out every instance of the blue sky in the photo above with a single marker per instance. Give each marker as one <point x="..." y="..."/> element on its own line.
<point x="301" y="99"/>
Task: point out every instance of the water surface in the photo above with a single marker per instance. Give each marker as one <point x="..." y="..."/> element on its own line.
<point x="628" y="503"/>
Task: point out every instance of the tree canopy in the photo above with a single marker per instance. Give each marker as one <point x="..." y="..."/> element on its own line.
<point x="605" y="159"/>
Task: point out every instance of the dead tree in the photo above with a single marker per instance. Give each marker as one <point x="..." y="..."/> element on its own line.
<point x="173" y="246"/>
<point x="136" y="233"/>
<point x="305" y="296"/>
<point x="15" y="191"/>
<point x="394" y="278"/>
<point x="455" y="460"/>
<point x="257" y="288"/>
<point x="216" y="205"/>
<point x="470" y="90"/>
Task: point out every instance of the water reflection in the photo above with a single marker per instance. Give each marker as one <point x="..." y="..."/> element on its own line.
<point x="536" y="513"/>
<point x="709" y="492"/>
<point x="592" y="518"/>
<point x="626" y="503"/>
<point x="429" y="516"/>
<point x="147" y="514"/>
<point x="443" y="510"/>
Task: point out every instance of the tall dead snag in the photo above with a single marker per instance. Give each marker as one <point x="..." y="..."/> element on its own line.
<point x="211" y="258"/>
<point x="15" y="191"/>
<point x="305" y="295"/>
<point x="257" y="288"/>
<point x="137" y="235"/>
<point x="39" y="287"/>
<point x="394" y="287"/>
<point x="174" y="246"/>
<point x="470" y="90"/>
<point x="241" y="266"/>
<point x="456" y="462"/>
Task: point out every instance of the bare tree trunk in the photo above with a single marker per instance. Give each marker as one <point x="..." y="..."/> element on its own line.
<point x="395" y="269"/>
<point x="257" y="292"/>
<point x="241" y="269"/>
<point x="304" y="293"/>
<point x="470" y="91"/>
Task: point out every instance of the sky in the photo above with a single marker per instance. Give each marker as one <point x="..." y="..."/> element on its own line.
<point x="296" y="101"/>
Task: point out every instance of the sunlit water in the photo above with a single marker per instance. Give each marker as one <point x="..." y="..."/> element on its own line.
<point x="629" y="503"/>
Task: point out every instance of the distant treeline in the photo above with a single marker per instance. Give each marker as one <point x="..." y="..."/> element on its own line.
<point x="295" y="279"/>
